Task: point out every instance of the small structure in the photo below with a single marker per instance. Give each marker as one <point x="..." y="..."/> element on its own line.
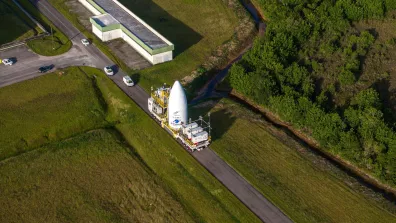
<point x="112" y="20"/>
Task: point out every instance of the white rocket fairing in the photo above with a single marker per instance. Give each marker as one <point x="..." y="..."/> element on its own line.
<point x="177" y="106"/>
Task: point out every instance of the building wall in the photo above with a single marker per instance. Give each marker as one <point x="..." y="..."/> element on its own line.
<point x="138" y="48"/>
<point x="112" y="34"/>
<point x="89" y="7"/>
<point x="97" y="32"/>
<point x="162" y="57"/>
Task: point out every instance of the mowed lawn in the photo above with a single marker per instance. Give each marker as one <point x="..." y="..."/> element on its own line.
<point x="79" y="172"/>
<point x="195" y="27"/>
<point x="92" y="177"/>
<point x="304" y="192"/>
<point x="14" y="24"/>
<point x="47" y="109"/>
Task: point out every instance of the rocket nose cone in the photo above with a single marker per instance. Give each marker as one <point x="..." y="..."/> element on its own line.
<point x="177" y="86"/>
<point x="177" y="106"/>
<point x="177" y="92"/>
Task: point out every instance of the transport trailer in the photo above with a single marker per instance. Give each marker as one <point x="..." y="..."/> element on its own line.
<point x="194" y="135"/>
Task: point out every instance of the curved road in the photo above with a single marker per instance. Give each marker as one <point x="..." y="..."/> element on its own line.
<point x="27" y="66"/>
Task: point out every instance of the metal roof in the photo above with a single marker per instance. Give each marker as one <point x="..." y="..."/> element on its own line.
<point x="105" y="20"/>
<point x="133" y="25"/>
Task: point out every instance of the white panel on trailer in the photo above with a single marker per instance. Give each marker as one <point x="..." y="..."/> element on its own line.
<point x="194" y="131"/>
<point x="200" y="137"/>
<point x="187" y="127"/>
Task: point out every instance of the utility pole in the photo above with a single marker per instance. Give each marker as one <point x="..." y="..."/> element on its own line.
<point x="52" y="41"/>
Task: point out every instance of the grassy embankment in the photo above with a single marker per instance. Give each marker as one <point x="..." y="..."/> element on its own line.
<point x="92" y="177"/>
<point x="47" y="109"/>
<point x="47" y="46"/>
<point x="303" y="190"/>
<point x="54" y="107"/>
<point x="196" y="28"/>
<point x="15" y="25"/>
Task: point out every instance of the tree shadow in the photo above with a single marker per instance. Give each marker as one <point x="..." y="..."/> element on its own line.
<point x="182" y="36"/>
<point x="115" y="68"/>
<point x="13" y="24"/>
<point x="388" y="97"/>
<point x="222" y="122"/>
<point x="221" y="119"/>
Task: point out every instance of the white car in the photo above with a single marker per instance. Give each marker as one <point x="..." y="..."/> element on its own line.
<point x="85" y="42"/>
<point x="8" y="62"/>
<point x="128" y="81"/>
<point x="108" y="70"/>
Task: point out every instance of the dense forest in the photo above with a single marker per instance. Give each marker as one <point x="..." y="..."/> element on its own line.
<point x="320" y="67"/>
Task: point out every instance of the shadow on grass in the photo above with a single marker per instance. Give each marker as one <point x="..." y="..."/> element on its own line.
<point x="221" y="119"/>
<point x="13" y="25"/>
<point x="182" y="36"/>
<point x="136" y="78"/>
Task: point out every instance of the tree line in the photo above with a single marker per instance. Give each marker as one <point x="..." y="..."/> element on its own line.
<point x="280" y="72"/>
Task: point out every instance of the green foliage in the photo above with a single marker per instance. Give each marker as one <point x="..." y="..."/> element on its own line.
<point x="347" y="77"/>
<point x="367" y="98"/>
<point x="390" y="4"/>
<point x="300" y="39"/>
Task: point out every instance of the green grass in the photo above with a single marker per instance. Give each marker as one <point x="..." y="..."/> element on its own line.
<point x="46" y="109"/>
<point x="14" y="25"/>
<point x="44" y="46"/>
<point x="198" y="190"/>
<point x="50" y="108"/>
<point x="92" y="177"/>
<point x="305" y="192"/>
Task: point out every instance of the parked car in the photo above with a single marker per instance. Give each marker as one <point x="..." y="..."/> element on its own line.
<point x="44" y="69"/>
<point x="108" y="70"/>
<point x="128" y="81"/>
<point x="85" y="42"/>
<point x="8" y="62"/>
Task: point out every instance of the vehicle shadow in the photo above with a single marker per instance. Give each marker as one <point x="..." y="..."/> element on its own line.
<point x="115" y="68"/>
<point x="181" y="35"/>
<point x="136" y="78"/>
<point x="13" y="59"/>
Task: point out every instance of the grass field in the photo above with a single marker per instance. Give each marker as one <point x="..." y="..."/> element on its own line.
<point x="92" y="177"/>
<point x="299" y="187"/>
<point x="44" y="46"/>
<point x="74" y="103"/>
<point x="14" y="25"/>
<point x="46" y="109"/>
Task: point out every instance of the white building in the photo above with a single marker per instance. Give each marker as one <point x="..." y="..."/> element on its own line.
<point x="112" y="20"/>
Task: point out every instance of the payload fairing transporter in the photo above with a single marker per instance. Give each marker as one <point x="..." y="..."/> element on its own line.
<point x="169" y="107"/>
<point x="177" y="106"/>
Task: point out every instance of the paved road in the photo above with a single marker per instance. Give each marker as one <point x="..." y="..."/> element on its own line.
<point x="91" y="56"/>
<point x="28" y="63"/>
